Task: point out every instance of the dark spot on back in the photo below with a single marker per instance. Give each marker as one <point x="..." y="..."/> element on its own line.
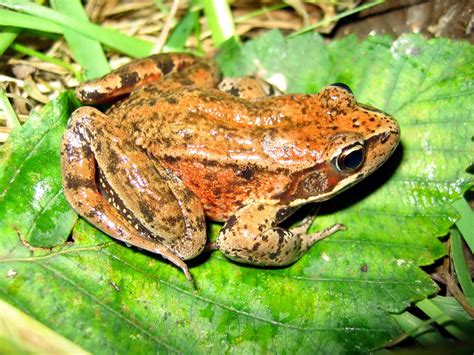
<point x="246" y="173"/>
<point x="114" y="161"/>
<point x="171" y="100"/>
<point x="170" y="159"/>
<point x="186" y="82"/>
<point x="147" y="212"/>
<point x="74" y="182"/>
<point x="217" y="191"/>
<point x="129" y="79"/>
<point x="166" y="66"/>
<point x="91" y="95"/>
<point x="234" y="91"/>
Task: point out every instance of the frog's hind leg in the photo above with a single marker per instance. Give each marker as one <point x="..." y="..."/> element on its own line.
<point x="130" y="76"/>
<point x="252" y="236"/>
<point x="92" y="146"/>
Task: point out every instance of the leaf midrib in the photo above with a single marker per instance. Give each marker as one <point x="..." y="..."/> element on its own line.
<point x="31" y="153"/>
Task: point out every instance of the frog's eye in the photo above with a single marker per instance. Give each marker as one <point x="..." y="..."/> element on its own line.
<point x="351" y="158"/>
<point x="343" y="86"/>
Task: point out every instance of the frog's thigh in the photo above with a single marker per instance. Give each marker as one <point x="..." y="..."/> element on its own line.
<point x="136" y="186"/>
<point x="252" y="236"/>
<point x="130" y="76"/>
<point x="248" y="87"/>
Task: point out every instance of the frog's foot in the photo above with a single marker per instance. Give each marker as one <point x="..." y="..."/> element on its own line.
<point x="252" y="236"/>
<point x="308" y="240"/>
<point x="113" y="185"/>
<point x="130" y="76"/>
<point x="307" y="221"/>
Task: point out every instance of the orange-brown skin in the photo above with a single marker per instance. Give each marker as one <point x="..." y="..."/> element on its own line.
<point x="179" y="149"/>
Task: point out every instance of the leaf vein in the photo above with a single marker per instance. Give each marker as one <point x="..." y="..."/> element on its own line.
<point x="240" y="312"/>
<point x="135" y="324"/>
<point x="33" y="150"/>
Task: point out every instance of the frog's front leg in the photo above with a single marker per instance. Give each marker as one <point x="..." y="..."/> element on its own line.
<point x="252" y="236"/>
<point x="132" y="75"/>
<point x="119" y="189"/>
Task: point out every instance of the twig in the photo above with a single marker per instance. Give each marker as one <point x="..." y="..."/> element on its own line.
<point x="160" y="42"/>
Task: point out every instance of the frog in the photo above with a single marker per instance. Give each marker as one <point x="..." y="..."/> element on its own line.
<point x="179" y="145"/>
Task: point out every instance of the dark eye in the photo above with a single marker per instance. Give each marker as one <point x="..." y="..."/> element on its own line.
<point x="351" y="158"/>
<point x="343" y="86"/>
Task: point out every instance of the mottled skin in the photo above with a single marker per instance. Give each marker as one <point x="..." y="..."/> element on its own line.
<point x="177" y="150"/>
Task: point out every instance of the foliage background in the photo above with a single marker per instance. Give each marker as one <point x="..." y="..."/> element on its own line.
<point x="340" y="297"/>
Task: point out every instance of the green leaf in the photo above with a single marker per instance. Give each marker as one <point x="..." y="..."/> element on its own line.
<point x="87" y="52"/>
<point x="340" y="295"/>
<point x="33" y="209"/>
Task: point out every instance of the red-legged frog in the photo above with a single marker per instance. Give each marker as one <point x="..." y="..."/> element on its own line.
<point x="178" y="145"/>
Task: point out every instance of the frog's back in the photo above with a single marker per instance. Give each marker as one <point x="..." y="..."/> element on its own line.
<point x="227" y="150"/>
<point x="214" y="125"/>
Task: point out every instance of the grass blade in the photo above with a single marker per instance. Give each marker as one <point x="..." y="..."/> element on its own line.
<point x="418" y="329"/>
<point x="162" y="7"/>
<point x="219" y="18"/>
<point x="18" y="19"/>
<point x="182" y="31"/>
<point x="131" y="46"/>
<point x="442" y="318"/>
<point x="328" y="20"/>
<point x="6" y="107"/>
<point x="451" y="307"/>
<point x="7" y="37"/>
<point x="87" y="52"/>
<point x="461" y="267"/>
<point x="263" y="10"/>
<point x="31" y="52"/>
<point x="466" y="222"/>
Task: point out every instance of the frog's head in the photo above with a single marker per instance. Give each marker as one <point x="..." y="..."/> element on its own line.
<point x="359" y="139"/>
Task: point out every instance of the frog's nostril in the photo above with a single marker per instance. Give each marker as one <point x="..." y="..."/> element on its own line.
<point x="343" y="86"/>
<point x="384" y="137"/>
